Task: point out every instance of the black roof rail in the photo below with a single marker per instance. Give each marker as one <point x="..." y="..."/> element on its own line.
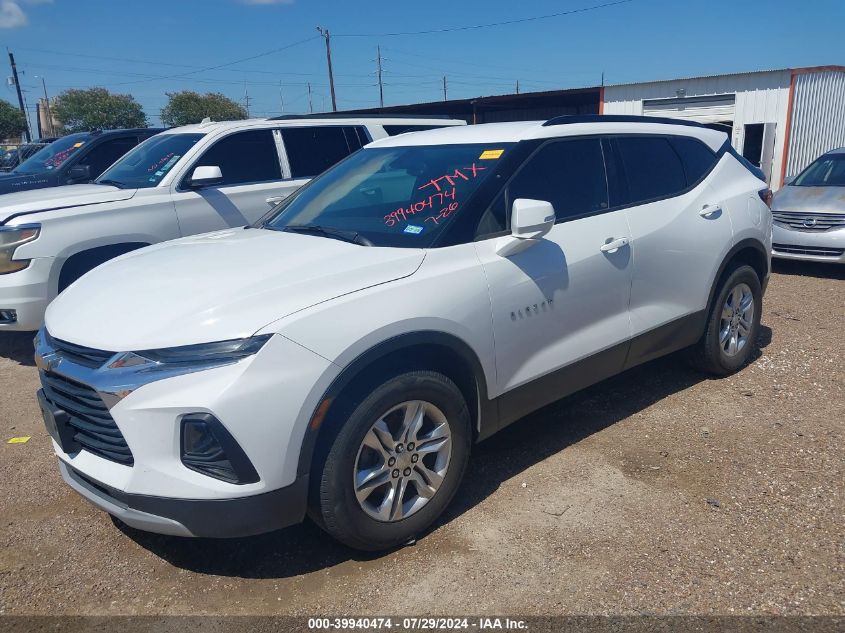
<point x="354" y="115"/>
<point x="617" y="118"/>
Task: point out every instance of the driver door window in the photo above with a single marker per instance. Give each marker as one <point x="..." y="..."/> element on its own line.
<point x="244" y="157"/>
<point x="105" y="154"/>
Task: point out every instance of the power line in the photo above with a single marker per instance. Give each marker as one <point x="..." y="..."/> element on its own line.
<point x="472" y="27"/>
<point x="161" y="63"/>
<point x="237" y="61"/>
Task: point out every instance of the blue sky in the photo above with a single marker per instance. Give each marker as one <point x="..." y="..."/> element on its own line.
<point x="80" y="43"/>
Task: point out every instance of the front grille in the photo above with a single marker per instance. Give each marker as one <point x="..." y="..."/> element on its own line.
<point x="85" y="356"/>
<point x="818" y="251"/>
<point x="89" y="416"/>
<point x="809" y="221"/>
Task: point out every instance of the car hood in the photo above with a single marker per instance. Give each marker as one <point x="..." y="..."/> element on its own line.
<point x="215" y="287"/>
<point x="810" y="199"/>
<point x="59" y="198"/>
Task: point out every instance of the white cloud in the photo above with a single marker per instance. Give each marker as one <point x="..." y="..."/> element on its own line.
<point x="12" y="15"/>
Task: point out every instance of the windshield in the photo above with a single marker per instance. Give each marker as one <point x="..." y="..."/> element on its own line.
<point x="391" y="196"/>
<point x="149" y="162"/>
<point x="827" y="171"/>
<point x="53" y="155"/>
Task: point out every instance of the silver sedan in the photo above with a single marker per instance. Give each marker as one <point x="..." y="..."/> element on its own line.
<point x="809" y="212"/>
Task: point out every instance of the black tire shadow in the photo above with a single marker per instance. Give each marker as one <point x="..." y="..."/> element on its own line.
<point x="18" y="347"/>
<point x="305" y="548"/>
<point x="808" y="269"/>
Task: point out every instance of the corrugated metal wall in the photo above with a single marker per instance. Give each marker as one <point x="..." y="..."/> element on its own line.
<point x="818" y="117"/>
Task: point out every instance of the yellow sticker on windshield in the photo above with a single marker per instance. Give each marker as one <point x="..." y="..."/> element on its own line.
<point x="80" y="144"/>
<point x="491" y="154"/>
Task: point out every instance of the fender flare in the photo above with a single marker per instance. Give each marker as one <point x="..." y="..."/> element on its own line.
<point x="731" y="254"/>
<point x="484" y="412"/>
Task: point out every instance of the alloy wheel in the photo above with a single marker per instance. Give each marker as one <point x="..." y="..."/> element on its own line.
<point x="402" y="461"/>
<point x="736" y="320"/>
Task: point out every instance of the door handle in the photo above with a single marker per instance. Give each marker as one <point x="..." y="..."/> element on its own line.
<point x="709" y="209"/>
<point x="614" y="245"/>
<point x="275" y="199"/>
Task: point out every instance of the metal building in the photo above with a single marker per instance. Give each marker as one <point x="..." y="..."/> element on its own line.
<point x="780" y="120"/>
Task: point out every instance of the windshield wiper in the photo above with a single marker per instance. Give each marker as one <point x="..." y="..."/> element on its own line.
<point x="108" y="181"/>
<point x="336" y="234"/>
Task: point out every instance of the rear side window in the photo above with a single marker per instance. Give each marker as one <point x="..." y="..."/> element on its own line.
<point x="312" y="150"/>
<point x="569" y="174"/>
<point x="652" y="168"/>
<point x="393" y="130"/>
<point x="245" y="157"/>
<point x="696" y="157"/>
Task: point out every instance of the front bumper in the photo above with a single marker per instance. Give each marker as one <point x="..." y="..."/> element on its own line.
<point x="212" y="518"/>
<point x="813" y="246"/>
<point x="27" y="292"/>
<point x="264" y="401"/>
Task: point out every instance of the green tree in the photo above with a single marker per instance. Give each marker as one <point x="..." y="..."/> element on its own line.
<point x="12" y="121"/>
<point x="186" y="107"/>
<point x="97" y="109"/>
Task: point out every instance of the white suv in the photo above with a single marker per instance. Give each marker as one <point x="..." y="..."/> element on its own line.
<point x="186" y="180"/>
<point x="343" y="355"/>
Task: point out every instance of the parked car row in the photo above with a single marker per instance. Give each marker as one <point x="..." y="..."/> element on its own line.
<point x="182" y="181"/>
<point x="339" y="352"/>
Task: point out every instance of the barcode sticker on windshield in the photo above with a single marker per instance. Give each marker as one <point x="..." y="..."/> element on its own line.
<point x="491" y="154"/>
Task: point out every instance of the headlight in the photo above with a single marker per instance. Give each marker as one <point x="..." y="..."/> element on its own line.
<point x="202" y="354"/>
<point x="10" y="238"/>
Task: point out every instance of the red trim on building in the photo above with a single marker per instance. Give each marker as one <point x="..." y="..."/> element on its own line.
<point x="788" y="129"/>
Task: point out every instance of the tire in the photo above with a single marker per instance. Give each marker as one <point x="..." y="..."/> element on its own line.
<point x="371" y="520"/>
<point x="714" y="354"/>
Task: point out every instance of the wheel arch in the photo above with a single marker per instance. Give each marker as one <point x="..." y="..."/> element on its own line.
<point x="748" y="251"/>
<point x="96" y="255"/>
<point x="435" y="351"/>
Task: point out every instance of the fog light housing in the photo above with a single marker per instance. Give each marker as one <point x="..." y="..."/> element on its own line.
<point x="208" y="448"/>
<point x="8" y="316"/>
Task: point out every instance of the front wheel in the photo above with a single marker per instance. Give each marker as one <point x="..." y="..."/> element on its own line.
<point x="733" y="325"/>
<point x="396" y="462"/>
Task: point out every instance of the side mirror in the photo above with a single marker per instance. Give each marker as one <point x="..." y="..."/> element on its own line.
<point x="206" y="176"/>
<point x="530" y="221"/>
<point x="78" y="174"/>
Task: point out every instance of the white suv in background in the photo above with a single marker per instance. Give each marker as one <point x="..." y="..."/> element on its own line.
<point x="343" y="355"/>
<point x="184" y="181"/>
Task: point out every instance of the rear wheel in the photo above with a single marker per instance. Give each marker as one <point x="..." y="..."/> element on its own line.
<point x="733" y="324"/>
<point x="396" y="463"/>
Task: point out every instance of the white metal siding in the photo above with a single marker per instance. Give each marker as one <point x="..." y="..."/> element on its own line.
<point x="818" y="117"/>
<point x="760" y="98"/>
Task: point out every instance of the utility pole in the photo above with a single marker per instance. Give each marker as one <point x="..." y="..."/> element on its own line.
<point x="380" y="84"/>
<point x="20" y="96"/>
<point x="246" y="100"/>
<point x="444" y="88"/>
<point x="327" y="36"/>
<point x="281" y="97"/>
<point x="310" y="103"/>
<point x="517" y="86"/>
<point x="47" y="107"/>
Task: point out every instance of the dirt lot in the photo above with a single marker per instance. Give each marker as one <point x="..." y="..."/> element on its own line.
<point x="659" y="491"/>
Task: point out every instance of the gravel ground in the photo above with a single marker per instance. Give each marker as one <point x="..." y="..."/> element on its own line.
<point x="659" y="491"/>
